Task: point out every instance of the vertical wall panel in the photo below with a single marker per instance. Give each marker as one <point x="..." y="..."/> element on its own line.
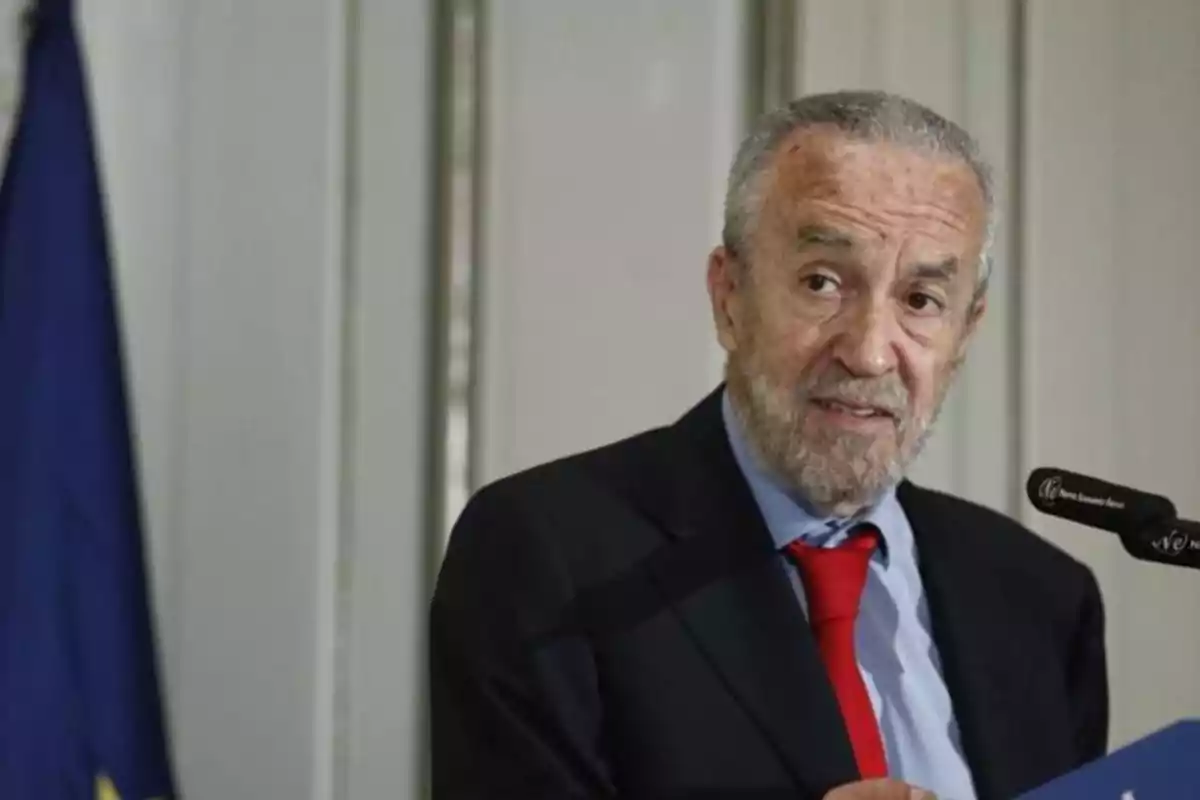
<point x="257" y="455"/>
<point x="609" y="127"/>
<point x="220" y="133"/>
<point x="1111" y="331"/>
<point x="987" y="432"/>
<point x="839" y="45"/>
<point x="385" y="539"/>
<point x="1157" y="391"/>
<point x="1069" y="342"/>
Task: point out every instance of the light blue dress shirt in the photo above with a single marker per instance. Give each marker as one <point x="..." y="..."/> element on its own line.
<point x="896" y="652"/>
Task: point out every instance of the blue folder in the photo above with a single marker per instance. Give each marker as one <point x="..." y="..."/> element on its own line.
<point x="1163" y="766"/>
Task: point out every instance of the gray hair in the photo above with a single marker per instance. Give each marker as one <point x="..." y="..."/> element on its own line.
<point x="865" y="115"/>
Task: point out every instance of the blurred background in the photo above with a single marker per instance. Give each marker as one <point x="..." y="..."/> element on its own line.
<point x="374" y="253"/>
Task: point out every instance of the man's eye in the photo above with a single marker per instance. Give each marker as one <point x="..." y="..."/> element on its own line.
<point x="925" y="303"/>
<point x="820" y="284"/>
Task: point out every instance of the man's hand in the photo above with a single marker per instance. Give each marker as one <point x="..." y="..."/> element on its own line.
<point x="885" y="789"/>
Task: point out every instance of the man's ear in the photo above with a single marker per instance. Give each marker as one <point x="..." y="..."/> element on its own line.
<point x="725" y="278"/>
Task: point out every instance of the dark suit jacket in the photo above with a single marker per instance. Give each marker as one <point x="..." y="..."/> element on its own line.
<point x="617" y="623"/>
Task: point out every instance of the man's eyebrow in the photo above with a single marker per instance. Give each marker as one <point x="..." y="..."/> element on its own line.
<point x="942" y="270"/>
<point x="822" y="236"/>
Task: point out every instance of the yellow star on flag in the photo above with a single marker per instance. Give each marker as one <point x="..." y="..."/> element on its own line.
<point x="105" y="789"/>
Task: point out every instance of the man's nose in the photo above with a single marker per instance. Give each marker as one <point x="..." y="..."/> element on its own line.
<point x="866" y="344"/>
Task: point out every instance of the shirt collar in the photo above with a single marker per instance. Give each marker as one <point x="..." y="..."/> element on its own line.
<point x="788" y="515"/>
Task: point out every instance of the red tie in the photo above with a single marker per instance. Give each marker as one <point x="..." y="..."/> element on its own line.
<point x="833" y="582"/>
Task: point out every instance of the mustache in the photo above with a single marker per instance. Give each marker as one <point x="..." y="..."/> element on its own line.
<point x="887" y="393"/>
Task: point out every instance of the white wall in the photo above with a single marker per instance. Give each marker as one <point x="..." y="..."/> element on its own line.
<point x="609" y="130"/>
<point x="1111" y="333"/>
<point x="386" y="546"/>
<point x="259" y="376"/>
<point x="221" y="127"/>
<point x="267" y="167"/>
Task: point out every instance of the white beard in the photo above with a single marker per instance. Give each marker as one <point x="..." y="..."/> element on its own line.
<point x="837" y="472"/>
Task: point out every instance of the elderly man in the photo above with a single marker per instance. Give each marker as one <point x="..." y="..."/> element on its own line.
<point x="754" y="601"/>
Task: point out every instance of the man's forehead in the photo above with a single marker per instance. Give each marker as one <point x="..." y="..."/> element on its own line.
<point x="821" y="162"/>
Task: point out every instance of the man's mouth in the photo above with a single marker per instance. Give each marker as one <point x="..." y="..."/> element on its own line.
<point x="861" y="410"/>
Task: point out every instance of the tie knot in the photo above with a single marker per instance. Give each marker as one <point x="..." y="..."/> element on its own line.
<point x="834" y="577"/>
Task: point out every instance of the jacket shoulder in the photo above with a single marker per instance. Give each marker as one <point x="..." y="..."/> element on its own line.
<point x="584" y="511"/>
<point x="1009" y="546"/>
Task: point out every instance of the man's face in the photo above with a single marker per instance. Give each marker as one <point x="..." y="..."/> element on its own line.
<point x="845" y="320"/>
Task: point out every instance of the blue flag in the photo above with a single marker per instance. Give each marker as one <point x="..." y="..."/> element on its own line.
<point x="80" y="714"/>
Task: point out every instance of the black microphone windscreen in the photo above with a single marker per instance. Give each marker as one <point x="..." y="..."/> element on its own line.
<point x="1176" y="542"/>
<point x="1091" y="501"/>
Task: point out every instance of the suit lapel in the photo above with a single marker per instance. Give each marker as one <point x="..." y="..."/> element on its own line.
<point x="974" y="641"/>
<point x="724" y="579"/>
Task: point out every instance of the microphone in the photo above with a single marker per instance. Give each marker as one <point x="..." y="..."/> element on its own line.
<point x="1096" y="503"/>
<point x="1175" y="542"/>
<point x="1146" y="523"/>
